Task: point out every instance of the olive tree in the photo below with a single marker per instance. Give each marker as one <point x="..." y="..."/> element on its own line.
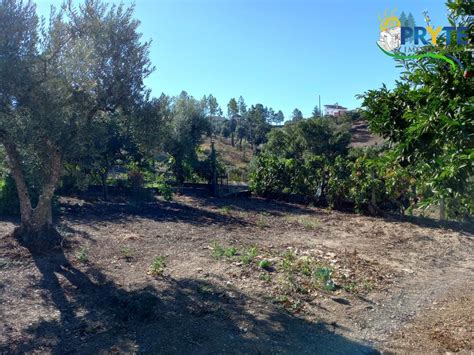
<point x="59" y="79"/>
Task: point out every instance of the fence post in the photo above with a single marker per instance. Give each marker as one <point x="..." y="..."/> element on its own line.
<point x="214" y="186"/>
<point x="442" y="210"/>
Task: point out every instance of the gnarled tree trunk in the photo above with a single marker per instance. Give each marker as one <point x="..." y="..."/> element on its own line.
<point x="36" y="222"/>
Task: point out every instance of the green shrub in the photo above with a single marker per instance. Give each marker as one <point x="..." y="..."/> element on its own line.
<point x="275" y="175"/>
<point x="217" y="250"/>
<point x="265" y="264"/>
<point x="367" y="187"/>
<point x="324" y="276"/>
<point x="157" y="266"/>
<point x="338" y="184"/>
<point x="230" y="252"/>
<point x="163" y="188"/>
<point x="288" y="261"/>
<point x="159" y="183"/>
<point x="249" y="255"/>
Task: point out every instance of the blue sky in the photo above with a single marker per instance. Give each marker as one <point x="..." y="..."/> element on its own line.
<point x="281" y="53"/>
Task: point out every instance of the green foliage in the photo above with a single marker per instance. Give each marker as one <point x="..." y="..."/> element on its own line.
<point x="324" y="276"/>
<point x="188" y="125"/>
<point x="83" y="255"/>
<point x="225" y="209"/>
<point x="159" y="184"/>
<point x="230" y="252"/>
<point x="315" y="136"/>
<point x="296" y="115"/>
<point x="265" y="264"/>
<point x="9" y="202"/>
<point x="367" y="188"/>
<point x="265" y="276"/>
<point x="57" y="114"/>
<point x="248" y="255"/>
<point x="428" y="122"/>
<point x="138" y="192"/>
<point x="288" y="260"/>
<point x="338" y="184"/>
<point x="158" y="266"/>
<point x="428" y="118"/>
<point x="296" y="158"/>
<point x="164" y="189"/>
<point x="232" y="108"/>
<point x="304" y="265"/>
<point x="274" y="175"/>
<point x="217" y="250"/>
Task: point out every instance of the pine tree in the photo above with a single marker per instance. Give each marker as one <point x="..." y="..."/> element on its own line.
<point x="316" y="112"/>
<point x="297" y="115"/>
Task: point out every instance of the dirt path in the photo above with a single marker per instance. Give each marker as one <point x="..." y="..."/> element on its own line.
<point x="399" y="286"/>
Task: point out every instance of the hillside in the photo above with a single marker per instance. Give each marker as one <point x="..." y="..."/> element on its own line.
<point x="361" y="136"/>
<point x="236" y="160"/>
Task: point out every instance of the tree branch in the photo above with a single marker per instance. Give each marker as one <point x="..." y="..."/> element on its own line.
<point x="14" y="162"/>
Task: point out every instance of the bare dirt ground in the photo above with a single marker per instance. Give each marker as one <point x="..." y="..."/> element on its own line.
<point x="241" y="276"/>
<point x="362" y="137"/>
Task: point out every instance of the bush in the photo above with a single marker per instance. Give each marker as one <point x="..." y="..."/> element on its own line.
<point x="367" y="189"/>
<point x="338" y="184"/>
<point x="160" y="185"/>
<point x="158" y="266"/>
<point x="272" y="175"/>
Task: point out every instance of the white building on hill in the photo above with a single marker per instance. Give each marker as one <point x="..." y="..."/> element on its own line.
<point x="334" y="110"/>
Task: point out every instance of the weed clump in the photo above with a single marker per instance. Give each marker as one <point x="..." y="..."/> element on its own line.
<point x="218" y="251"/>
<point x="249" y="255"/>
<point x="324" y="276"/>
<point x="157" y="266"/>
<point x="83" y="255"/>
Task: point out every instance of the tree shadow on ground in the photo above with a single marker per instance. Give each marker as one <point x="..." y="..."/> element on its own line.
<point x="164" y="316"/>
<point x="160" y="211"/>
<point x="466" y="228"/>
<point x="255" y="204"/>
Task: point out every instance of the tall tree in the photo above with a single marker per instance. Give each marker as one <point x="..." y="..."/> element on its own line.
<point x="189" y="124"/>
<point x="258" y="123"/>
<point x="297" y="115"/>
<point x="56" y="86"/>
<point x="279" y="118"/>
<point x="316" y="112"/>
<point x="242" y="106"/>
<point x="212" y="110"/>
<point x="232" y="108"/>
